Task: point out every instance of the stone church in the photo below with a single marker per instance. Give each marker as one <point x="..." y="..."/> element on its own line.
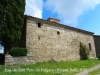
<point x="48" y="40"/>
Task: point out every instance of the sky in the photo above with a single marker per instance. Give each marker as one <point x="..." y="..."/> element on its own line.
<point x="1" y="49"/>
<point x="82" y="14"/>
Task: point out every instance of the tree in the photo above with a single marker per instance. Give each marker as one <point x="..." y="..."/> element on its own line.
<point x="12" y="22"/>
<point x="2" y="15"/>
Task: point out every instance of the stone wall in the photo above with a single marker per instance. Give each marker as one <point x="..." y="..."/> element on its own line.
<point x="97" y="44"/>
<point x="10" y="60"/>
<point x="53" y="42"/>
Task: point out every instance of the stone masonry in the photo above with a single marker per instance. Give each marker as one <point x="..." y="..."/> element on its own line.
<point x="10" y="60"/>
<point x="47" y="40"/>
<point x="97" y="44"/>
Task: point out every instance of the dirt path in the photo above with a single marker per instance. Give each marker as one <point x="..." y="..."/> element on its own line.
<point x="85" y="72"/>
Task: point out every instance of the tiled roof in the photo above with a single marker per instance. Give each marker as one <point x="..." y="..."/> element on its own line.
<point x="56" y="24"/>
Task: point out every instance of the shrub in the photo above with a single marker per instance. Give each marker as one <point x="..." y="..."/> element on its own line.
<point x="18" y="51"/>
<point x="84" y="51"/>
<point x="98" y="57"/>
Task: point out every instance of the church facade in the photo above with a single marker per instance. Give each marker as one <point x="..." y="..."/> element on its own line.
<point x="49" y="40"/>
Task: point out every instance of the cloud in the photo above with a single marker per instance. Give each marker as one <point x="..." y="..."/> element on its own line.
<point x="34" y="8"/>
<point x="70" y="10"/>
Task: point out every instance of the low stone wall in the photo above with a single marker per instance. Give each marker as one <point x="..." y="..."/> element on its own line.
<point x="10" y="60"/>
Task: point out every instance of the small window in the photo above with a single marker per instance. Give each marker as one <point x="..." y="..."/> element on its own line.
<point x="90" y="46"/>
<point x="39" y="24"/>
<point x="39" y="37"/>
<point x="58" y="32"/>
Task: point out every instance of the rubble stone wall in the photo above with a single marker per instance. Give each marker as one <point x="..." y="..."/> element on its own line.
<point x="53" y="42"/>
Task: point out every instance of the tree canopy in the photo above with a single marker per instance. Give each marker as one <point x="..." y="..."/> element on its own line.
<point x="11" y="22"/>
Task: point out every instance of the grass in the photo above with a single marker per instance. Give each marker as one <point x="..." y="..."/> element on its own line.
<point x="49" y="68"/>
<point x="95" y="72"/>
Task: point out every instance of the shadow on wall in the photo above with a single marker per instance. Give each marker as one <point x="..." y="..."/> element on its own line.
<point x="97" y="45"/>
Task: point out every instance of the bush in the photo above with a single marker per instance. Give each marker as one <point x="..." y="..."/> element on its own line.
<point x="18" y="51"/>
<point x="84" y="51"/>
<point x="98" y="57"/>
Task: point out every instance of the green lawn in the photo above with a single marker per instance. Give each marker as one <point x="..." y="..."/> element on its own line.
<point x="49" y="68"/>
<point x="95" y="72"/>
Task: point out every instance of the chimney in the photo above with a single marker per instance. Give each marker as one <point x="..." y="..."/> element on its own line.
<point x="53" y="20"/>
